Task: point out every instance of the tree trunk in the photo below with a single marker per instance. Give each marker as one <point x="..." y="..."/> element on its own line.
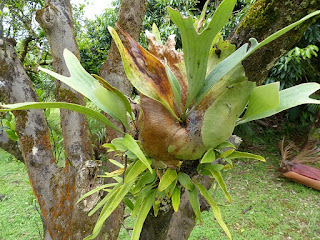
<point x="264" y="18"/>
<point x="130" y="20"/>
<point x="80" y="171"/>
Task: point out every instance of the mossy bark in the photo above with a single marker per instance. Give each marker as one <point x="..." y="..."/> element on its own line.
<point x="67" y="220"/>
<point x="130" y="20"/>
<point x="264" y="18"/>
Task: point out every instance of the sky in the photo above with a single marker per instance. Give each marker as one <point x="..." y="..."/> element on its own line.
<point x="95" y="7"/>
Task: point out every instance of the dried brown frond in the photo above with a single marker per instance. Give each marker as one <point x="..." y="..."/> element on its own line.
<point x="310" y="153"/>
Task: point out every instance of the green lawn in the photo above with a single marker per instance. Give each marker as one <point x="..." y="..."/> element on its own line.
<point x="265" y="206"/>
<point x="19" y="218"/>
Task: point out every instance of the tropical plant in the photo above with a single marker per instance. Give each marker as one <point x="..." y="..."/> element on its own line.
<point x="190" y="103"/>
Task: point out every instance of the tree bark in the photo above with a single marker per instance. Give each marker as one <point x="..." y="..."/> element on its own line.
<point x="80" y="171"/>
<point x="264" y="18"/>
<point x="130" y="20"/>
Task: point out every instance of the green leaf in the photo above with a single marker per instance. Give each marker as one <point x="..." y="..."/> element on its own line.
<point x="175" y="85"/>
<point x="176" y="198"/>
<point x="196" y="46"/>
<point x="128" y="203"/>
<point x="217" y="175"/>
<point x="137" y="204"/>
<point x="195" y="204"/>
<point x="237" y="154"/>
<point x="215" y="209"/>
<point x="220" y="118"/>
<point x="96" y="190"/>
<point x="157" y="202"/>
<point x="185" y="181"/>
<point x="238" y="56"/>
<point x="69" y="106"/>
<point x="169" y="176"/>
<point x="146" y="178"/>
<point x="225" y="145"/>
<point x="156" y="33"/>
<point x="132" y="145"/>
<point x="109" y="207"/>
<point x="135" y="171"/>
<point x="108" y="86"/>
<point x="169" y="190"/>
<point x="120" y="165"/>
<point x="117" y="143"/>
<point x="291" y="97"/>
<point x="143" y="213"/>
<point x="105" y="199"/>
<point x="208" y="157"/>
<point x="263" y="98"/>
<point x="12" y="134"/>
<point x="81" y="81"/>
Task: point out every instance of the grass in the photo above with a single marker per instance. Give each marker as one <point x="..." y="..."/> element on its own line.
<point x="19" y="218"/>
<point x="265" y="206"/>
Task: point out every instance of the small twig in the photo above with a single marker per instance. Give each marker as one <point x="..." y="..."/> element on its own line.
<point x="246" y="210"/>
<point x="125" y="166"/>
<point x="127" y="229"/>
<point x="158" y="174"/>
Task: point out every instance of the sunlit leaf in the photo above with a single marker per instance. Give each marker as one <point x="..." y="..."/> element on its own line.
<point x="217" y="175"/>
<point x="208" y="157"/>
<point x="194" y="201"/>
<point x="135" y="171"/>
<point x="145" y="208"/>
<point x="108" y="86"/>
<point x="176" y="198"/>
<point x="290" y="97"/>
<point x="132" y="145"/>
<point x="81" y="81"/>
<point x="220" y="119"/>
<point x="120" y="165"/>
<point x="69" y="106"/>
<point x="185" y="181"/>
<point x="237" y="154"/>
<point x="196" y="46"/>
<point x="169" y="176"/>
<point x="156" y="33"/>
<point x="96" y="190"/>
<point x="117" y="143"/>
<point x="109" y="207"/>
<point x="214" y="207"/>
<point x="263" y="98"/>
<point x="105" y="199"/>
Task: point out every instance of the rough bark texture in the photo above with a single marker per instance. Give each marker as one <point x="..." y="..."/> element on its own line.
<point x="54" y="187"/>
<point x="79" y="174"/>
<point x="264" y="18"/>
<point x="130" y="20"/>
